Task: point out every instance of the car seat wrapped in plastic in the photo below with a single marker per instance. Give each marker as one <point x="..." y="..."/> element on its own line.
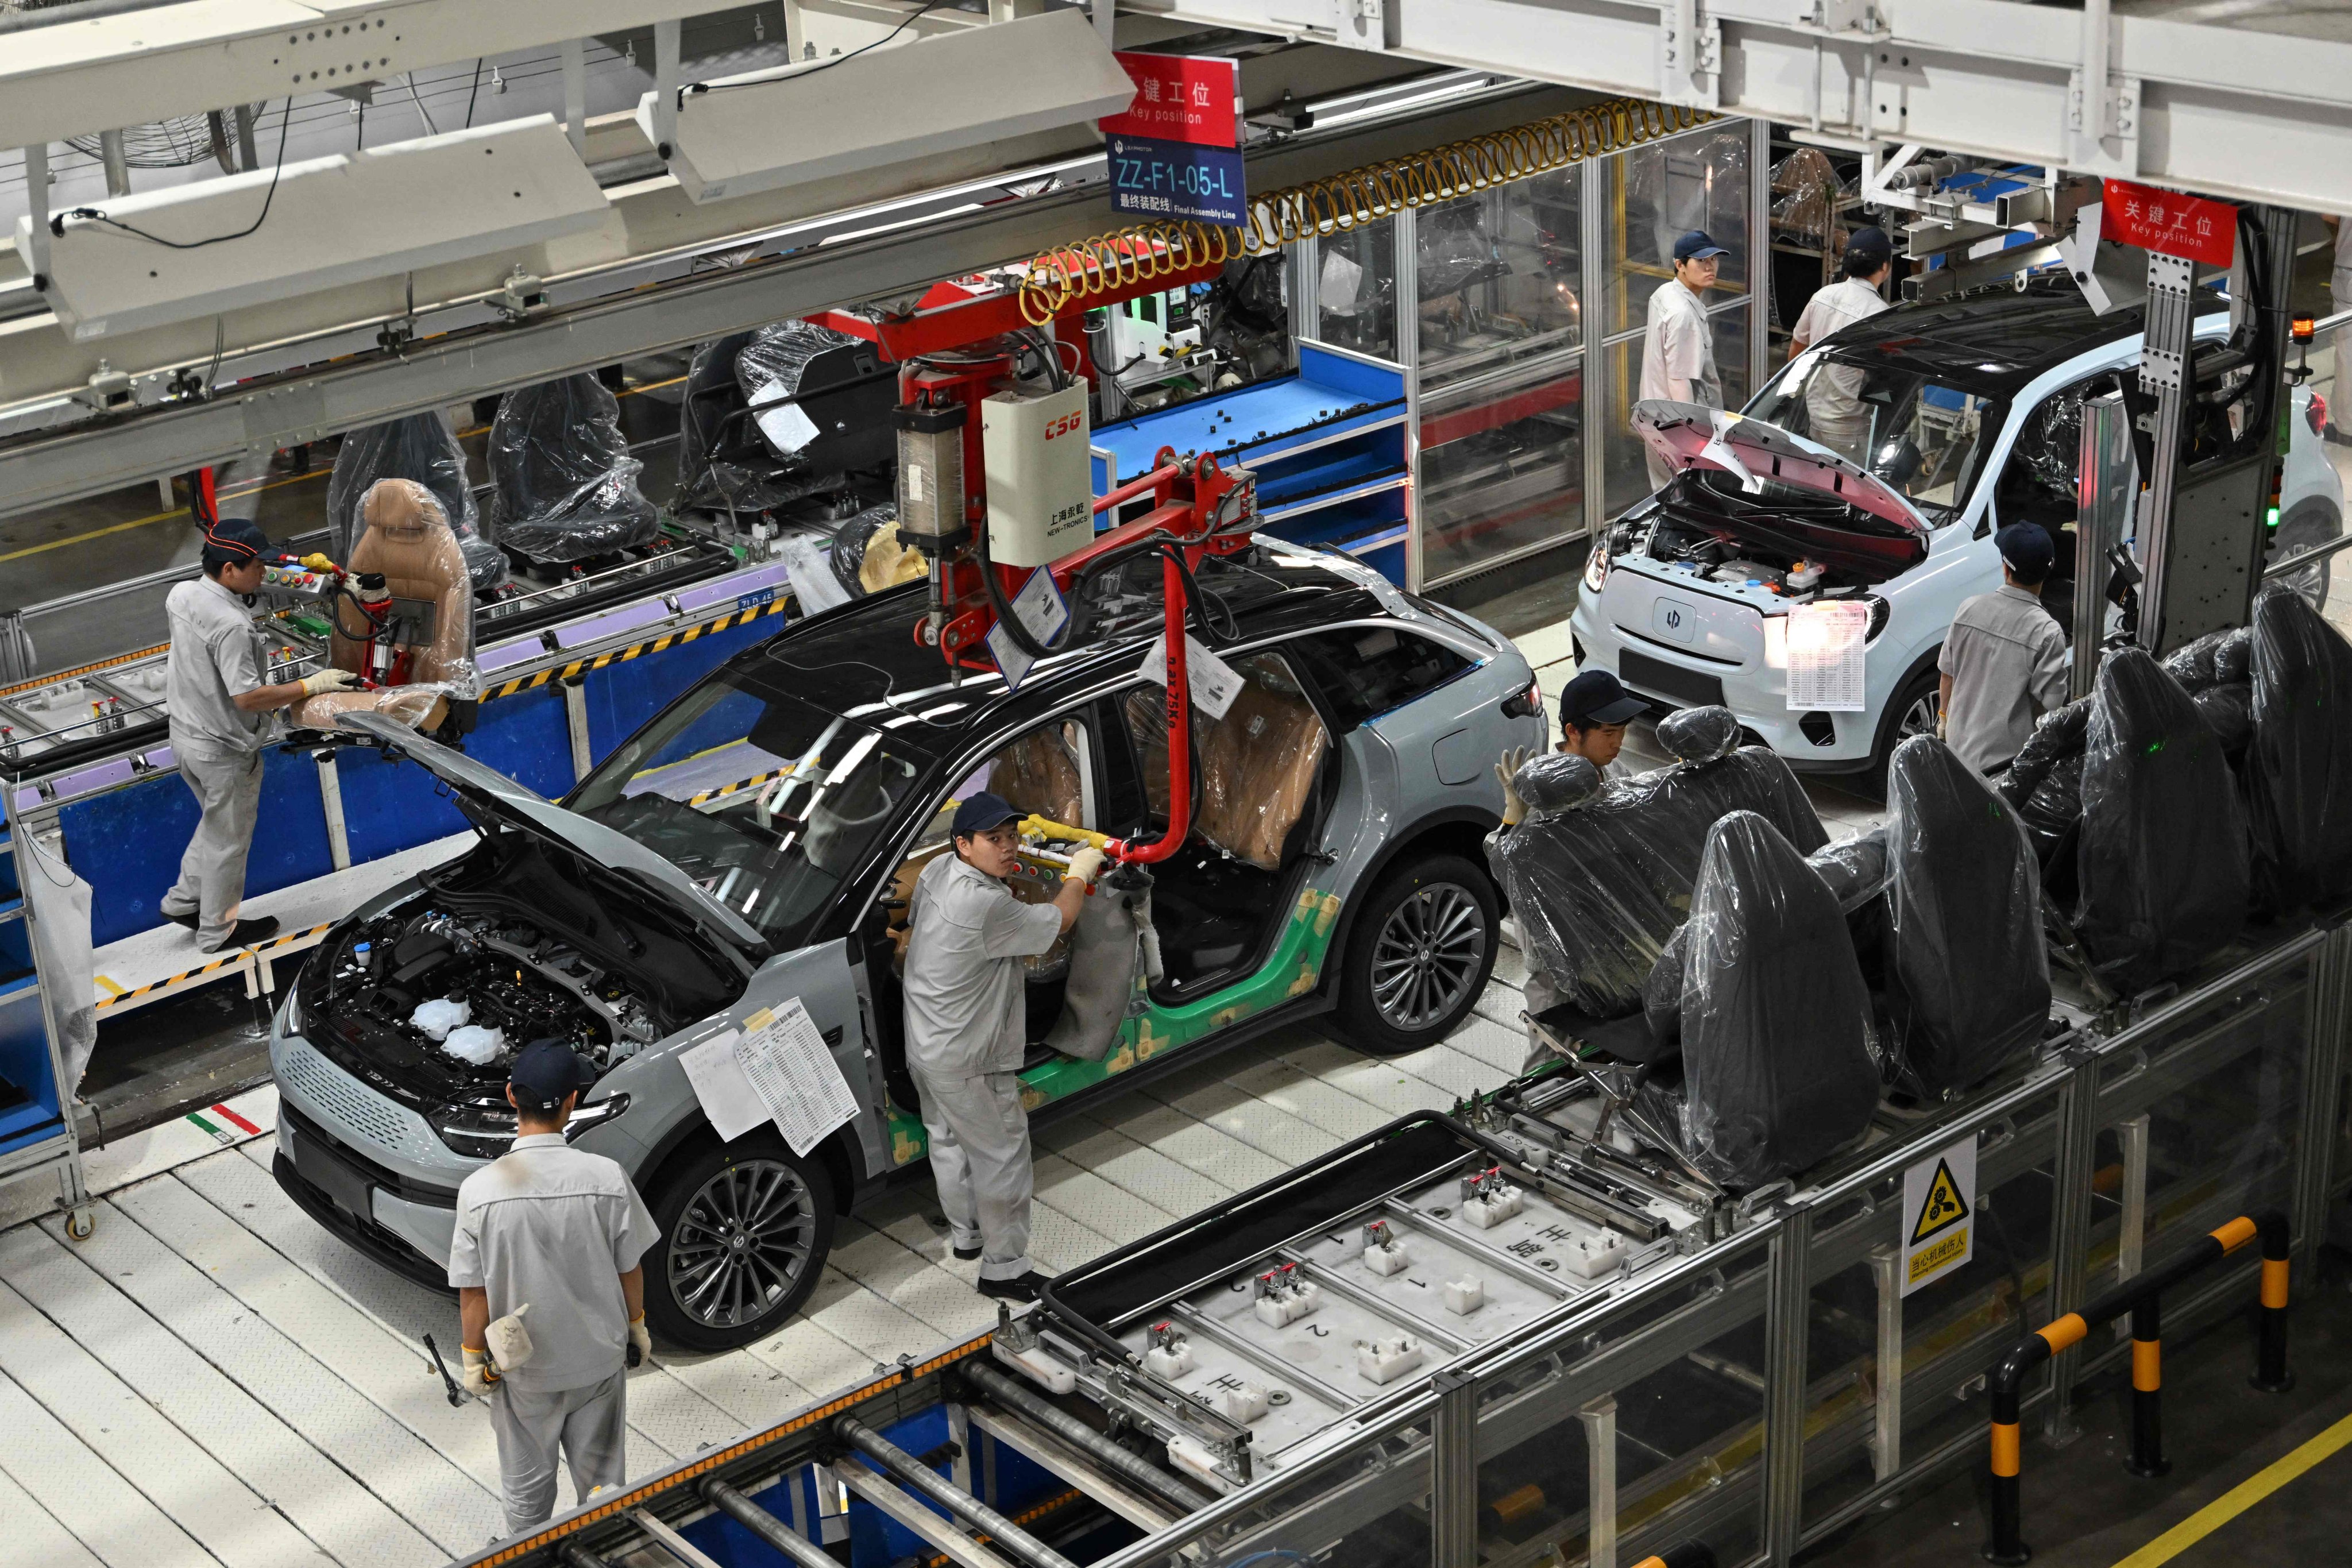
<point x="2299" y="770"/>
<point x="405" y="538"/>
<point x="1776" y="1069"/>
<point x="564" y="485"/>
<point x="1967" y="976"/>
<point x="1256" y="765"/>
<point x="1713" y="774"/>
<point x="1595" y="893"/>
<point x="424" y="448"/>
<point x="712" y="470"/>
<point x="869" y="555"/>
<point x="2161" y="862"/>
<point x="2044" y="784"/>
<point x="1111" y="948"/>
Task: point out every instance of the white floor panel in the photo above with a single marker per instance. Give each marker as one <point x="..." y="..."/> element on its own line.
<point x="34" y="1537"/>
<point x="110" y="1518"/>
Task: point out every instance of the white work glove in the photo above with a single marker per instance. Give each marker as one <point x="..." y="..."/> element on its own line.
<point x="481" y="1374"/>
<point x="1086" y="864"/>
<point x="329" y="679"/>
<point x="1515" y="810"/>
<point x="641" y="1340"/>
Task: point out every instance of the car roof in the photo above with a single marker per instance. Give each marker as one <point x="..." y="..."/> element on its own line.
<point x="864" y="654"/>
<point x="1990" y="341"/>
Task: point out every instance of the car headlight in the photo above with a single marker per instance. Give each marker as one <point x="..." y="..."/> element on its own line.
<point x="1881" y="612"/>
<point x="1596" y="565"/>
<point x="289" y="1017"/>
<point x="585" y="1117"/>
<point x="487" y="1132"/>
<point x="1776" y="642"/>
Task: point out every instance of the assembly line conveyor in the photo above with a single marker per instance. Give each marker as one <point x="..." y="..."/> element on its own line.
<point x="1484" y="1337"/>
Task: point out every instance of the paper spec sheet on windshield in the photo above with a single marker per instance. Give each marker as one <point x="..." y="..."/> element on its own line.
<point x="1175" y="152"/>
<point x="775" y="1068"/>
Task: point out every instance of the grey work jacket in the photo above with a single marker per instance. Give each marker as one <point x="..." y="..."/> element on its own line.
<point x="966" y="1011"/>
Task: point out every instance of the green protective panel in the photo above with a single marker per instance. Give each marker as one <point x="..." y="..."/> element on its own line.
<point x="1291" y="970"/>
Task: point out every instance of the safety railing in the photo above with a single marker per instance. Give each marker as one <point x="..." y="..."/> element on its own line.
<point x="2141" y="1297"/>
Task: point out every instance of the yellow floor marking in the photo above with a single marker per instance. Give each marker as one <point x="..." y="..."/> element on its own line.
<point x="2240" y="1498"/>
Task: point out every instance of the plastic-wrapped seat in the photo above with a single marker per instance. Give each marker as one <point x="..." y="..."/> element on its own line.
<point x="1595" y="889"/>
<point x="2161" y="861"/>
<point x="1966" y="976"/>
<point x="2299" y="767"/>
<point x="1777" y="1067"/>
<point x="421" y="447"/>
<point x="565" y="486"/>
<point x="1713" y="774"/>
<point x="407" y="540"/>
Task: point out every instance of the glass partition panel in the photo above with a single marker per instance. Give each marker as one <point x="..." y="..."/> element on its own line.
<point x="1498" y="277"/>
<point x="1502" y="466"/>
<point x="1356" y="288"/>
<point x="1625" y="474"/>
<point x="1873" y="1354"/>
<point x="1657" y="193"/>
<point x="1667" y="1386"/>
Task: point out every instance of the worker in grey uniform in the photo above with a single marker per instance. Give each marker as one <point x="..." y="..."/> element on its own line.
<point x="1594" y="708"/>
<point x="1678" y="341"/>
<point x="1835" y="413"/>
<point x="560" y="1231"/>
<point x="2004" y="660"/>
<point x="221" y="710"/>
<point x="967" y="1028"/>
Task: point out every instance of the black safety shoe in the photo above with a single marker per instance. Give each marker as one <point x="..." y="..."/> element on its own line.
<point x="1020" y="1288"/>
<point x="190" y="920"/>
<point x="247" y="933"/>
<point x="966" y="1253"/>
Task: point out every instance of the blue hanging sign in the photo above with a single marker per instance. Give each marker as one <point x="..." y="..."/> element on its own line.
<point x="1152" y="178"/>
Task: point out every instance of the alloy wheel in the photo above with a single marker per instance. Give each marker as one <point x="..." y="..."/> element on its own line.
<point x="1428" y="956"/>
<point x="742" y="1244"/>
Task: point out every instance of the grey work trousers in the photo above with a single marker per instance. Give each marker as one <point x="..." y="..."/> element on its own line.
<point x="980" y="1156"/>
<point x="228" y="787"/>
<point x="587" y="1426"/>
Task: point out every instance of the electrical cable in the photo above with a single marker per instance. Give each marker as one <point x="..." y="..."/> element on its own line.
<point x="925" y="8"/>
<point x="430" y="129"/>
<point x="57" y="223"/>
<point x="475" y="93"/>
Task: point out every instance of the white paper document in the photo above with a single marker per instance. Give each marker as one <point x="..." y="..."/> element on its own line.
<point x="1012" y="661"/>
<point x="782" y="1056"/>
<point x="1040" y="608"/>
<point x="719" y="1084"/>
<point x="814" y="584"/>
<point x="785" y="427"/>
<point x="1214" y="682"/>
<point x="1825" y="652"/>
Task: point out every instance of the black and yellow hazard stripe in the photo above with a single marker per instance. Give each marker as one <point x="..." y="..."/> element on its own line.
<point x="723" y="791"/>
<point x="622" y="655"/>
<point x="123" y="998"/>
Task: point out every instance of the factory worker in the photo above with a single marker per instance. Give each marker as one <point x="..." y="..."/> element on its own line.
<point x="1679" y="347"/>
<point x="1594" y="709"/>
<point x="1835" y="415"/>
<point x="967" y="1028"/>
<point x="222" y="716"/>
<point x="2004" y="660"/>
<point x="559" y="1231"/>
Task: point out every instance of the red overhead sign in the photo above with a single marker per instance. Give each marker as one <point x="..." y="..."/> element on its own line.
<point x="2169" y="223"/>
<point x="1194" y="98"/>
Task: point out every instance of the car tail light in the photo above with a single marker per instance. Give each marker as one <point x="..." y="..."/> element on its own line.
<point x="2315" y="414"/>
<point x="1524" y="704"/>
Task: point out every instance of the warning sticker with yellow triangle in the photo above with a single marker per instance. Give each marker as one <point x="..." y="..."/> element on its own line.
<point x="1943" y="1207"/>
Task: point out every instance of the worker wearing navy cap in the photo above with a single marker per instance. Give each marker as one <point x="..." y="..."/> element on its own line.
<point x="558" y="1231"/>
<point x="2004" y="660"/>
<point x="220" y="707"/>
<point x="968" y="1029"/>
<point x="1679" y="347"/>
<point x="1835" y="413"/>
<point x="1594" y="708"/>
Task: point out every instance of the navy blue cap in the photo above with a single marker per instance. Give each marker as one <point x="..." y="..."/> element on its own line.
<point x="2025" y="547"/>
<point x="238" y="539"/>
<point x="980" y="813"/>
<point x="545" y="1071"/>
<point x="1594" y="697"/>
<point x="1697" y="246"/>
<point x="1869" y="247"/>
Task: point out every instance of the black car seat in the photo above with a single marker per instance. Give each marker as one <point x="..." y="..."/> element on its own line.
<point x="1965" y="977"/>
<point x="565" y="486"/>
<point x="1714" y="773"/>
<point x="1595" y="888"/>
<point x="1775" y="1021"/>
<point x="2299" y="765"/>
<point x="2161" y="863"/>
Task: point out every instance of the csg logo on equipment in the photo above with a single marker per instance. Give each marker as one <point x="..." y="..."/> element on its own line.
<point x="1068" y="422"/>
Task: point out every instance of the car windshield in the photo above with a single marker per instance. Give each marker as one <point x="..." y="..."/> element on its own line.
<point x="767" y="802"/>
<point x="1923" y="438"/>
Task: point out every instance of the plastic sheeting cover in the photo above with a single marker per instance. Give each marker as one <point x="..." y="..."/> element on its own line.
<point x="1967" y="979"/>
<point x="565" y="486"/>
<point x="1777" y="1071"/>
<point x="2162" y="859"/>
<point x="2299" y="773"/>
<point x="422" y="448"/>
<point x="868" y="555"/>
<point x="714" y="388"/>
<point x="1714" y="774"/>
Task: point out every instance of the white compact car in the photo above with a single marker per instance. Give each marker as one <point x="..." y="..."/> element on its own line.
<point x="1975" y="413"/>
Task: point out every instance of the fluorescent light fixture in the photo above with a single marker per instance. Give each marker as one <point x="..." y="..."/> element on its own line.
<point x="332" y="221"/>
<point x="943" y="93"/>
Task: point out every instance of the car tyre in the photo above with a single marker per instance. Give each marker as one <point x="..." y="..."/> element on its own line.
<point x="1913" y="712"/>
<point x="705" y="1291"/>
<point x="1418" y="955"/>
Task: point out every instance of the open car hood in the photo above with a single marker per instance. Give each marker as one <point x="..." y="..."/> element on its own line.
<point x="1686" y="436"/>
<point x="491" y="790"/>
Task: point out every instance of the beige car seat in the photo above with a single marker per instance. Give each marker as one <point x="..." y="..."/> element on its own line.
<point x="406" y="537"/>
<point x="1258" y="762"/>
<point x="1038" y="773"/>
